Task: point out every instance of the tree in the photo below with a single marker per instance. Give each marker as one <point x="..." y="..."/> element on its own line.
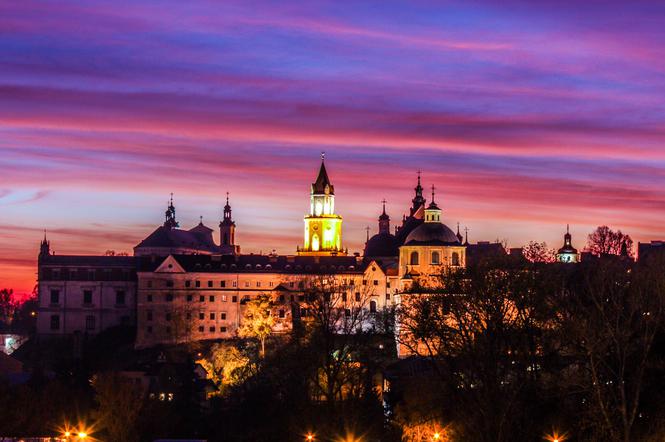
<point x="258" y="320"/>
<point x="538" y="252"/>
<point x="8" y="306"/>
<point x="119" y="406"/>
<point x="613" y="312"/>
<point x="605" y="241"/>
<point x="226" y="365"/>
<point x="481" y="331"/>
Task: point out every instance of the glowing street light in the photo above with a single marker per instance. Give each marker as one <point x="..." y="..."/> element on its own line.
<point x="82" y="435"/>
<point x="556" y="437"/>
<point x="437" y="436"/>
<point x="310" y="437"/>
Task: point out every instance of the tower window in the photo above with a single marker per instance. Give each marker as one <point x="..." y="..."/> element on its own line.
<point x="55" y="296"/>
<point x="436" y="258"/>
<point x="87" y="297"/>
<point x="372" y="306"/>
<point x="414" y="259"/>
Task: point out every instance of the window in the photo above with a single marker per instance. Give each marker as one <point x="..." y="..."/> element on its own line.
<point x="455" y="259"/>
<point x="224" y="298"/>
<point x="222" y="329"/>
<point x="168" y="316"/>
<point x="234" y="299"/>
<point x="209" y="284"/>
<point x="169" y="297"/>
<point x="55" y="296"/>
<point x="148" y="315"/>
<point x="357" y="296"/>
<point x="436" y="258"/>
<point x="202" y="298"/>
<point x="149" y="329"/>
<point x="212" y="316"/>
<point x="91" y="275"/>
<point x="55" y="322"/>
<point x="87" y="297"/>
<point x="364" y="282"/>
<point x="222" y="284"/>
<point x="414" y="259"/>
<point x="212" y="329"/>
<point x="189" y="298"/>
<point x="89" y="322"/>
<point x="201" y="328"/>
<point x="197" y="283"/>
<point x="169" y="283"/>
<point x="347" y="312"/>
<point x="189" y="315"/>
<point x="222" y="316"/>
<point x="149" y="298"/>
<point x="387" y="296"/>
<point x="246" y="283"/>
<point x="281" y="298"/>
<point x="270" y="284"/>
<point x="282" y="313"/>
<point x="292" y="284"/>
<point x="372" y="306"/>
<point x="211" y="298"/>
<point x="376" y="282"/>
<point x="120" y="297"/>
<point x="258" y="283"/>
<point x="202" y="316"/>
<point x="235" y="284"/>
<point x="149" y="284"/>
<point x="188" y="283"/>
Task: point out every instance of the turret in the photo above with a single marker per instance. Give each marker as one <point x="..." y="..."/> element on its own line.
<point x="169" y="216"/>
<point x="227" y="227"/>
<point x="384" y="220"/>
<point x="44" y="247"/>
<point x="417" y="200"/>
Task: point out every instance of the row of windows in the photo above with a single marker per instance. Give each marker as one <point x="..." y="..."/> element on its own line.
<point x="304" y="312"/>
<point x="435" y="259"/>
<point x="169" y="316"/>
<point x="90" y="322"/>
<point x="211" y="329"/>
<point x="50" y="274"/>
<point x="247" y="284"/>
<point x="120" y="297"/>
<point x="169" y="297"/>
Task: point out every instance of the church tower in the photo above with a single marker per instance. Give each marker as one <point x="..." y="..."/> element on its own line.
<point x="323" y="229"/>
<point x="227" y="231"/>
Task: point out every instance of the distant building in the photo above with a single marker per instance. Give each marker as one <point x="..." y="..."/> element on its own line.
<point x="567" y="253"/>
<point x="650" y="250"/>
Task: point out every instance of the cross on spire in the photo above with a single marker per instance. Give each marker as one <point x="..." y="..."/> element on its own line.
<point x="433" y="188"/>
<point x="323" y="155"/>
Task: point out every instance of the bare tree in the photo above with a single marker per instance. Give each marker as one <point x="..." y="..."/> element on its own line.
<point x="119" y="405"/>
<point x="538" y="252"/>
<point x="605" y="241"/>
<point x="614" y="313"/>
<point x="337" y="316"/>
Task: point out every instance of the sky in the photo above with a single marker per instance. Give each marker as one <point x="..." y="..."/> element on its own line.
<point x="526" y="116"/>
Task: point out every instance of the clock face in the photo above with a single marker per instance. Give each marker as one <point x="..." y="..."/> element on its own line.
<point x="315" y="227"/>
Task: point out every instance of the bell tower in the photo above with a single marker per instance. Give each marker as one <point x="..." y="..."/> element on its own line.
<point x="323" y="228"/>
<point x="227" y="231"/>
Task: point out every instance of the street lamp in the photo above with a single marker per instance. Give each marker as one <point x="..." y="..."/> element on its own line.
<point x="437" y="436"/>
<point x="82" y="435"/>
<point x="309" y="437"/>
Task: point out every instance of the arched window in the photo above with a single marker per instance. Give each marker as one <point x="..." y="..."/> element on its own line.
<point x="414" y="259"/>
<point x="455" y="258"/>
<point x="436" y="258"/>
<point x="372" y="306"/>
<point x="315" y="242"/>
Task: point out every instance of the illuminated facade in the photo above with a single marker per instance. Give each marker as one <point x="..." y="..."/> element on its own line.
<point x="323" y="228"/>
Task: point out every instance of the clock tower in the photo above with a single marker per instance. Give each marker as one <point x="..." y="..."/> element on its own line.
<point x="323" y="228"/>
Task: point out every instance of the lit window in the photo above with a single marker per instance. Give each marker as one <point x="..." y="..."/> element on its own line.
<point x="436" y="258"/>
<point x="414" y="259"/>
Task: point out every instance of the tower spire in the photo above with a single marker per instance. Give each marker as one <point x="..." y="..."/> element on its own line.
<point x="384" y="219"/>
<point x="169" y="216"/>
<point x="227" y="230"/>
<point x="418" y="200"/>
<point x="459" y="235"/>
<point x="466" y="236"/>
<point x="44" y="247"/>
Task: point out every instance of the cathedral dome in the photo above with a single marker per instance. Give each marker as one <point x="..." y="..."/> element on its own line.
<point x="382" y="244"/>
<point x="432" y="233"/>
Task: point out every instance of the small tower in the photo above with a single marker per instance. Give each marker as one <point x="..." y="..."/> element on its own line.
<point x="227" y="231"/>
<point x="323" y="228"/>
<point x="170" y="221"/>
<point x="384" y="220"/>
<point x="567" y="253"/>
<point x="432" y="212"/>
<point x="459" y="236"/>
<point x="44" y="247"/>
<point x="417" y="200"/>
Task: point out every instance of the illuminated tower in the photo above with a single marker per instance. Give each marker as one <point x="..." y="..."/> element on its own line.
<point x="323" y="229"/>
<point x="567" y="253"/>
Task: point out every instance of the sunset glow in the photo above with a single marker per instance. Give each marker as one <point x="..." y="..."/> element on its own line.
<point x="525" y="116"/>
